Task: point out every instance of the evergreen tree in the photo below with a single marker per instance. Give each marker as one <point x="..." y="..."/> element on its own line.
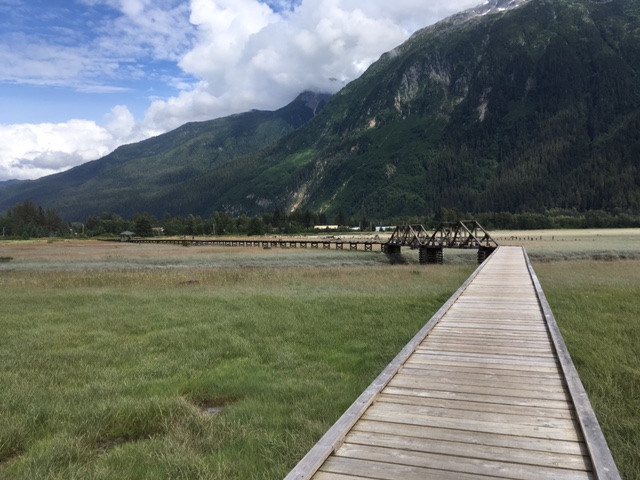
<point x="29" y="220"/>
<point x="255" y="226"/>
<point x="277" y="218"/>
<point x="143" y="226"/>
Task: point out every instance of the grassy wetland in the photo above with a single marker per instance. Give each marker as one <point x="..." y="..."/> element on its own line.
<point x="143" y="361"/>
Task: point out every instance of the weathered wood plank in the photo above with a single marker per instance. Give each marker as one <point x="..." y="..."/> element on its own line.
<point x="454" y="404"/>
<point x="512" y="419"/>
<point x="497" y="350"/>
<point x="565" y="434"/>
<point x="337" y="476"/>
<point x="474" y="438"/>
<point x="539" y="341"/>
<point x="488" y="452"/>
<point x="478" y="327"/>
<point x="474" y="397"/>
<point x="502" y="390"/>
<point x="483" y="334"/>
<point x="487" y="378"/>
<point x="458" y="464"/>
<point x="441" y="338"/>
<point x="525" y="388"/>
<point x="453" y="367"/>
<point x="498" y="326"/>
<point x="520" y="360"/>
<point x="436" y="359"/>
<point x="483" y="302"/>
<point x="383" y="471"/>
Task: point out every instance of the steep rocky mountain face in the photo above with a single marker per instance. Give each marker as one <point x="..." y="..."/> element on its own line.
<point x="532" y="109"/>
<point x="520" y="106"/>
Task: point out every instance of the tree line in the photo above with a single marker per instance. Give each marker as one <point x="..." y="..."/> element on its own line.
<point x="29" y="220"/>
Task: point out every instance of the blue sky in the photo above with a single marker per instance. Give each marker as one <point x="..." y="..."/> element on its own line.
<point x="81" y="77"/>
<point x="66" y="56"/>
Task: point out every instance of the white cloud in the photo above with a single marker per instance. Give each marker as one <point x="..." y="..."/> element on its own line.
<point x="33" y="150"/>
<point x="243" y="54"/>
<point x="248" y="56"/>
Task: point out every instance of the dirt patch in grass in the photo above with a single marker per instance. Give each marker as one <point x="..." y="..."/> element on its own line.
<point x="214" y="405"/>
<point x="112" y="443"/>
<point x="106" y="445"/>
<point x="6" y="461"/>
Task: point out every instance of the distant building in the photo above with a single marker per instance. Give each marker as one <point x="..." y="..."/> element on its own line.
<point x="158" y="231"/>
<point x="126" y="236"/>
<point x="327" y="227"/>
<point x="385" y="229"/>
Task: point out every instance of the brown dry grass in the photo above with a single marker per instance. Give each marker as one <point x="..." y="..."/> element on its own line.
<point x="99" y="250"/>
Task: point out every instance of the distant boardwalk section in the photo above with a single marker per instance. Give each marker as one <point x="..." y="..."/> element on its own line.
<point x="462" y="234"/>
<point x="485" y="390"/>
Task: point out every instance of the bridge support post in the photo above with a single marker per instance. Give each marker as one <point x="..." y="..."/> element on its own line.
<point x="431" y="256"/>
<point x="484" y="252"/>
<point x="393" y="249"/>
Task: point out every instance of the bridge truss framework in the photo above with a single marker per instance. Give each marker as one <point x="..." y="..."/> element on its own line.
<point x="466" y="234"/>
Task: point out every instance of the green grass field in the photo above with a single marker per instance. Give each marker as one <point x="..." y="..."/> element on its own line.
<point x="111" y="372"/>
<point x="148" y="366"/>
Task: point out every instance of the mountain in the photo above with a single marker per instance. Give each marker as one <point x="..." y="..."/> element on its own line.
<point x="527" y="110"/>
<point x="132" y="178"/>
<point x="518" y="106"/>
<point x="8" y="183"/>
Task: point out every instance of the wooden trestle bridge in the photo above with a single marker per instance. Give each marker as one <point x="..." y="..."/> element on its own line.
<point x="467" y="234"/>
<point x="487" y="389"/>
<point x="463" y="234"/>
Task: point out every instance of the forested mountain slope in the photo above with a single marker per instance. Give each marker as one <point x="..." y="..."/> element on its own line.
<point x="132" y="178"/>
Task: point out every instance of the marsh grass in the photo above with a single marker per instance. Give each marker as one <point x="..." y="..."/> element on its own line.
<point x="586" y="244"/>
<point x="597" y="306"/>
<point x="109" y="371"/>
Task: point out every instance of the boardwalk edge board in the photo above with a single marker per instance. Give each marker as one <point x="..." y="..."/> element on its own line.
<point x="604" y="466"/>
<point x="334" y="437"/>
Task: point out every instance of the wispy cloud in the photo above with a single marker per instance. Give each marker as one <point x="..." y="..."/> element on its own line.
<point x="103" y="44"/>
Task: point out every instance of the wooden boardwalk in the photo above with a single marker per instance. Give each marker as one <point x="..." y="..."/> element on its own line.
<point x="485" y="390"/>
